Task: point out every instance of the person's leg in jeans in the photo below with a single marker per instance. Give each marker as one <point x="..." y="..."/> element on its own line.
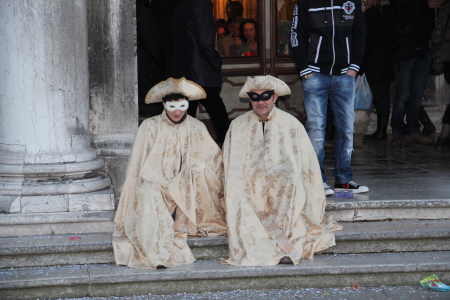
<point x="315" y="98"/>
<point x="217" y="112"/>
<point x="419" y="78"/>
<point x="342" y="101"/>
<point x="403" y="75"/>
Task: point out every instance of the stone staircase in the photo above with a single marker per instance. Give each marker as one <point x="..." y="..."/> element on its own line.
<point x="384" y="242"/>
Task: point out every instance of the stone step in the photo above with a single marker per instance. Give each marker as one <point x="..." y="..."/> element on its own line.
<point x="96" y="248"/>
<point x="56" y="223"/>
<point x="362" y="207"/>
<point x="338" y="270"/>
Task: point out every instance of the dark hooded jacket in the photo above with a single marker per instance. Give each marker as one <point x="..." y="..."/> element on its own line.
<point x="194" y="32"/>
<point x="415" y="23"/>
<point x="327" y="36"/>
<point x="378" y="62"/>
<point x="441" y="34"/>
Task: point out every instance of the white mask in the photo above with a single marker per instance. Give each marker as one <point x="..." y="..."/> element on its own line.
<point x="173" y="106"/>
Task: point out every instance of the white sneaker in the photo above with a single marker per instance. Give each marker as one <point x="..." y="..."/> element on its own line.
<point x="328" y="190"/>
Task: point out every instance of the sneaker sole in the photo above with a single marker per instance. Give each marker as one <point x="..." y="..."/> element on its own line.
<point x="355" y="191"/>
<point x="329" y="192"/>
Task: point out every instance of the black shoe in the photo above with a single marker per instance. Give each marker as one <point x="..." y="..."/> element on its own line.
<point x="376" y="136"/>
<point x="428" y="129"/>
<point x="351" y="186"/>
<point x="380" y="133"/>
<point x="398" y="140"/>
<point x="442" y="144"/>
<point x="424" y="119"/>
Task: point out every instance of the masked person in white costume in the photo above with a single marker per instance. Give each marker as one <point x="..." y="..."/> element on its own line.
<point x="173" y="187"/>
<point x="273" y="186"/>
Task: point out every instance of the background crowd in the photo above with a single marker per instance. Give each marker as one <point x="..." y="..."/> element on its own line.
<point x="400" y="47"/>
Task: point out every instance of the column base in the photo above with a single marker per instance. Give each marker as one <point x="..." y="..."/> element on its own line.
<point x="50" y="188"/>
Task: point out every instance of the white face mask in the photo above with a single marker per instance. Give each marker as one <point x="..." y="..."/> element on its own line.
<point x="173" y="106"/>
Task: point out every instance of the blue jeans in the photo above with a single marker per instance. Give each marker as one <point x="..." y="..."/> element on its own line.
<point x="340" y="91"/>
<point x="410" y="83"/>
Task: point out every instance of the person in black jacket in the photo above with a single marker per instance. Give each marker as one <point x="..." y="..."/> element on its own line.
<point x="378" y="61"/>
<point x="196" y="59"/>
<point x="441" y="57"/>
<point x="149" y="57"/>
<point x="327" y="40"/>
<point x="412" y="53"/>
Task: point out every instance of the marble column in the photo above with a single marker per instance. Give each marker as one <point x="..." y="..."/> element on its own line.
<point x="47" y="163"/>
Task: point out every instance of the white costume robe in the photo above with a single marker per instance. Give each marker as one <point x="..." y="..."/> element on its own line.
<point x="274" y="193"/>
<point x="171" y="167"/>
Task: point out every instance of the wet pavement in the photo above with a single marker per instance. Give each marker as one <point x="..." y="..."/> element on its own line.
<point x="346" y="293"/>
<point x="413" y="172"/>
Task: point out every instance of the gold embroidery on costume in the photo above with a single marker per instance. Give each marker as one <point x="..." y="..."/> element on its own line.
<point x="170" y="166"/>
<point x="273" y="192"/>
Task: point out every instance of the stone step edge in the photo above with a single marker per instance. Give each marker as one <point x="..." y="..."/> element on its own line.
<point x="55" y="218"/>
<point x="388" y="204"/>
<point x="100" y="216"/>
<point x="214" y="270"/>
<point x="88" y="242"/>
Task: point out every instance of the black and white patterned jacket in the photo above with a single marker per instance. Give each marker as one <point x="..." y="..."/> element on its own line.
<point x="327" y="36"/>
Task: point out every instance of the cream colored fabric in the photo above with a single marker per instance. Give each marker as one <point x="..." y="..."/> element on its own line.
<point x="274" y="193"/>
<point x="266" y="82"/>
<point x="171" y="166"/>
<point x="175" y="86"/>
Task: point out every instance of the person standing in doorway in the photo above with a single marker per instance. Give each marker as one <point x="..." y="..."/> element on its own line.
<point x="378" y="62"/>
<point x="196" y="58"/>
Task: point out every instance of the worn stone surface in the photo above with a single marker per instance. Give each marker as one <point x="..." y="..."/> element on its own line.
<point x="361" y="237"/>
<point x="56" y="228"/>
<point x="113" y="82"/>
<point x="39" y="204"/>
<point x="55" y="223"/>
<point x="323" y="271"/>
<point x="393" y="214"/>
<point x="354" y="292"/>
<point x="73" y="258"/>
<point x="49" y="218"/>
<point x="116" y="166"/>
<point x="97" y="201"/>
<point x="10" y="204"/>
<point x="54" y="244"/>
<point x="48" y="115"/>
<point x="45" y="150"/>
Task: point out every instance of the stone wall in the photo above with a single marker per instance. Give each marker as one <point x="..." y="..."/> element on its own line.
<point x="113" y="82"/>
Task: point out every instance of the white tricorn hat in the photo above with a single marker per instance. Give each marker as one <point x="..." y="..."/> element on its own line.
<point x="175" y="86"/>
<point x="265" y="83"/>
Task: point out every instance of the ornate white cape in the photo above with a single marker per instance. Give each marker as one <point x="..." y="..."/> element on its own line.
<point x="274" y="193"/>
<point x="171" y="166"/>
